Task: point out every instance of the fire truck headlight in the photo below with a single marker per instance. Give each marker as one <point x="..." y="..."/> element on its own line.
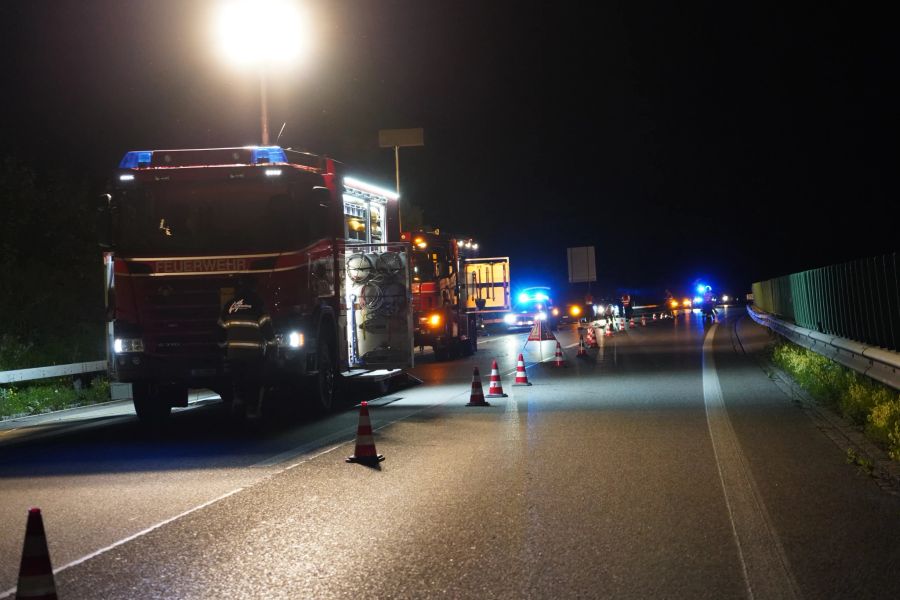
<point x="434" y="320"/>
<point x="555" y="312"/>
<point x="273" y="172"/>
<point x="541" y="316"/>
<point x="128" y="345"/>
<point x="295" y="339"/>
<point x="509" y="318"/>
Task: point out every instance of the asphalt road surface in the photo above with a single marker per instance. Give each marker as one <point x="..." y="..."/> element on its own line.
<point x="666" y="464"/>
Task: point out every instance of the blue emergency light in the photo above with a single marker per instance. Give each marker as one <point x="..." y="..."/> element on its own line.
<point x="267" y="154"/>
<point x="136" y="159"/>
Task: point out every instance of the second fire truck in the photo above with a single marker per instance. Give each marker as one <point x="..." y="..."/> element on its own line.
<point x="453" y="296"/>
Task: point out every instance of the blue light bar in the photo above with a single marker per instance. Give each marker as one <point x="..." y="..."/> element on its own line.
<point x="136" y="159"/>
<point x="267" y="154"/>
<point x="258" y="155"/>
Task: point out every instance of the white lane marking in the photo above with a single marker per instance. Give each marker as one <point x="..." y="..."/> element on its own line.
<point x="78" y="561"/>
<point x="764" y="563"/>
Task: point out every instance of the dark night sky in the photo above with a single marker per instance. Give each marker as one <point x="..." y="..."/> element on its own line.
<point x="726" y="141"/>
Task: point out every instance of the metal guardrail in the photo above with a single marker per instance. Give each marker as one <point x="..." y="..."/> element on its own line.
<point x="54" y="371"/>
<point x="877" y="363"/>
<point x="858" y="300"/>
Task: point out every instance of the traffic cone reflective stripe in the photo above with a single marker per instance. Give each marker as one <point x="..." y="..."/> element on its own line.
<point x="365" y="452"/>
<point x="495" y="390"/>
<point x="477" y="396"/>
<point x="35" y="572"/>
<point x="521" y="374"/>
<point x="558" y="361"/>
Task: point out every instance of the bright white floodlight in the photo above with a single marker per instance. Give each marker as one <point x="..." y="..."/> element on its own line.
<point x="249" y="32"/>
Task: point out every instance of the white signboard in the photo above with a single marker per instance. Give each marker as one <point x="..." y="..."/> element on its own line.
<point x="390" y="138"/>
<point x="581" y="264"/>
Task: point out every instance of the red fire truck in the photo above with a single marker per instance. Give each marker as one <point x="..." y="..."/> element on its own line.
<point x="439" y="296"/>
<point x="249" y="271"/>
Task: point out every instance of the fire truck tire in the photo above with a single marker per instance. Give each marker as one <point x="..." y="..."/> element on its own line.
<point x="468" y="347"/>
<point x="323" y="384"/>
<point x="153" y="403"/>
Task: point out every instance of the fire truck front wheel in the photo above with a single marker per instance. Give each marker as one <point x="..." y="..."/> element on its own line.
<point x="323" y="384"/>
<point x="153" y="403"/>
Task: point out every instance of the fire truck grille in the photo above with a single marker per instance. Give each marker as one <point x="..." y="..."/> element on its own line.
<point x="180" y="318"/>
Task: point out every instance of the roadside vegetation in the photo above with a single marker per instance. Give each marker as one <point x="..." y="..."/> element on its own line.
<point x="49" y="395"/>
<point x="867" y="403"/>
<point x="51" y="269"/>
<point x="51" y="286"/>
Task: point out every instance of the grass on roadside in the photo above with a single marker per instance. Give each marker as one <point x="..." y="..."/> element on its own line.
<point x="49" y="395"/>
<point x="867" y="403"/>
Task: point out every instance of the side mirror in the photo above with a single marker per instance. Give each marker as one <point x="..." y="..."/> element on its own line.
<point x="104" y="221"/>
<point x="322" y="196"/>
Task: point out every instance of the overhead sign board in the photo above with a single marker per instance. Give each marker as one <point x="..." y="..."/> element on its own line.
<point x="393" y="138"/>
<point x="581" y="264"/>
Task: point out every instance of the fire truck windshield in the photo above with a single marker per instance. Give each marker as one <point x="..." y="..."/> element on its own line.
<point x="429" y="266"/>
<point x="423" y="267"/>
<point x="192" y="218"/>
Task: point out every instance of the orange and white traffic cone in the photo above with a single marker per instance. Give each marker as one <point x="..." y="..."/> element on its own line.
<point x="558" y="359"/>
<point x="495" y="389"/>
<point x="591" y="339"/>
<point x="35" y="571"/>
<point x="582" y="350"/>
<point x="477" y="396"/>
<point x="654" y="316"/>
<point x="521" y="375"/>
<point x="609" y="327"/>
<point x="365" y="452"/>
<point x="631" y="323"/>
